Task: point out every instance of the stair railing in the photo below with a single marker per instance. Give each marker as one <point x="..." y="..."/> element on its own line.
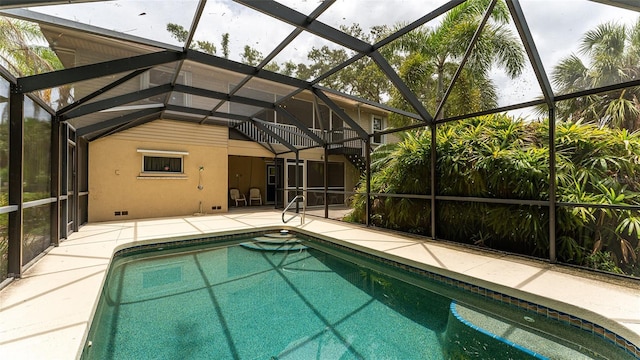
<point x="304" y="209"/>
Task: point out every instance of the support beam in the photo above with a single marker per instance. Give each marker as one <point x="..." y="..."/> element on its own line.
<point x="299" y="125"/>
<point x="297" y="175"/>
<point x="87" y="72"/>
<point x="416" y="24"/>
<point x="326" y="182"/>
<point x="56" y="152"/>
<point x="16" y="179"/>
<point x="101" y="91"/>
<point x="117" y="101"/>
<point x="137" y="122"/>
<point x="552" y="186"/>
<point x="237" y="67"/>
<point x="280" y="139"/>
<point x="530" y="46"/>
<point x="341" y="114"/>
<point x="401" y="86"/>
<point x="434" y="184"/>
<point x="465" y="58"/>
<point x="222" y="96"/>
<point x="195" y="111"/>
<point x="292" y="17"/>
<point x="368" y="209"/>
<point x="117" y="121"/>
<point x="64" y="179"/>
<point x="370" y="103"/>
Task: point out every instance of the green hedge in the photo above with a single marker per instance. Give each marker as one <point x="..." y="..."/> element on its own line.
<point x="498" y="156"/>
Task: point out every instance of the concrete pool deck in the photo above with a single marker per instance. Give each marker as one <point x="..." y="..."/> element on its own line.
<point x="44" y="315"/>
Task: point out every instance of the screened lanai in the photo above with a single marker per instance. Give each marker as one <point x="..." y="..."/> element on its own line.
<point x="502" y="124"/>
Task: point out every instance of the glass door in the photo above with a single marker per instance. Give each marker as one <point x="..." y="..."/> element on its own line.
<point x="271" y="184"/>
<point x="290" y="175"/>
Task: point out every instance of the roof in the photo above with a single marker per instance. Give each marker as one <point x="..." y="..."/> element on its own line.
<point x="117" y="78"/>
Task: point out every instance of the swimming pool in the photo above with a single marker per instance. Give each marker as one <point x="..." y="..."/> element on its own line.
<point x="295" y="297"/>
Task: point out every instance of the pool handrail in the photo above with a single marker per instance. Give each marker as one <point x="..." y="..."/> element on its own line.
<point x="304" y="209"/>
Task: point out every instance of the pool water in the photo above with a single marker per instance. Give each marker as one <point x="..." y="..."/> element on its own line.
<point x="278" y="301"/>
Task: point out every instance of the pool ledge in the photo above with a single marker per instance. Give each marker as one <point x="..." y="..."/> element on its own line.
<point x="46" y="313"/>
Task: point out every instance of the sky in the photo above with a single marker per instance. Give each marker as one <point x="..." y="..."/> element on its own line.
<point x="556" y="26"/>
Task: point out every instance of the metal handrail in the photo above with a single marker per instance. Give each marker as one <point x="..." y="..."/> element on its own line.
<point x="304" y="209"/>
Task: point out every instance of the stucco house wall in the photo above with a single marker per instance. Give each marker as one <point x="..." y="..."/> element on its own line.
<point x="116" y="182"/>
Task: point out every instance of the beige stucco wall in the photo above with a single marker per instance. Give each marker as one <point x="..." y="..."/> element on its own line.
<point x="115" y="165"/>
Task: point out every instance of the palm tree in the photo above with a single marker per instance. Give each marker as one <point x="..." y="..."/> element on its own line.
<point x="20" y="49"/>
<point x="22" y="53"/>
<point x="430" y="56"/>
<point x="612" y="54"/>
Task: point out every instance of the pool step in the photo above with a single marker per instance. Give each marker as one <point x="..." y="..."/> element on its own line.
<point x="280" y="235"/>
<point x="275" y="242"/>
<point x="523" y="341"/>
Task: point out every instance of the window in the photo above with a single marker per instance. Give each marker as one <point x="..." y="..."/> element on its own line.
<point x="377" y="125"/>
<point x="157" y="77"/>
<point x="162" y="162"/>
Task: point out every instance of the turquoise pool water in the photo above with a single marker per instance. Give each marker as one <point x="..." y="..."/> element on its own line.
<point x="275" y="300"/>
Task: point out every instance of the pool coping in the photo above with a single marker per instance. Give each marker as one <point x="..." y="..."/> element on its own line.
<point x="95" y="244"/>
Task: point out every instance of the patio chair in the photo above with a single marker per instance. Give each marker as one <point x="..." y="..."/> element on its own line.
<point x="254" y="195"/>
<point x="237" y="196"/>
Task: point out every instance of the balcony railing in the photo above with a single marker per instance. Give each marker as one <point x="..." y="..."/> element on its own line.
<point x="297" y="138"/>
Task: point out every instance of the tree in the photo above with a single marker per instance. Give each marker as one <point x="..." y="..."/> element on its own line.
<point x="498" y="157"/>
<point x="612" y="54"/>
<point x="429" y="56"/>
<point x="225" y="45"/>
<point x="20" y="51"/>
<point x="251" y="56"/>
<point x="179" y="33"/>
<point x="362" y="78"/>
<point x="22" y="54"/>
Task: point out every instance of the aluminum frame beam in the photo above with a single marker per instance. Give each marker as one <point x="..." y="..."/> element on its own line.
<point x="298" y="124"/>
<point x="101" y="91"/>
<point x="530" y="47"/>
<point x="212" y="94"/>
<point x="401" y="86"/>
<point x="117" y="101"/>
<point x="341" y="114"/>
<point x="370" y="103"/>
<point x="16" y="180"/>
<point x="465" y="58"/>
<point x="117" y="121"/>
<point x="292" y="17"/>
<point x="87" y="72"/>
<point x="203" y="112"/>
<point x="280" y="139"/>
<point x="240" y="68"/>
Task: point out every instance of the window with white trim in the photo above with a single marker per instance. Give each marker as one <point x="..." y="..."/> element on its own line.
<point x="162" y="162"/>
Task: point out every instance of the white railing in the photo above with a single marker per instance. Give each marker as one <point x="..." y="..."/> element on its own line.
<point x="299" y="139"/>
<point x="289" y="133"/>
